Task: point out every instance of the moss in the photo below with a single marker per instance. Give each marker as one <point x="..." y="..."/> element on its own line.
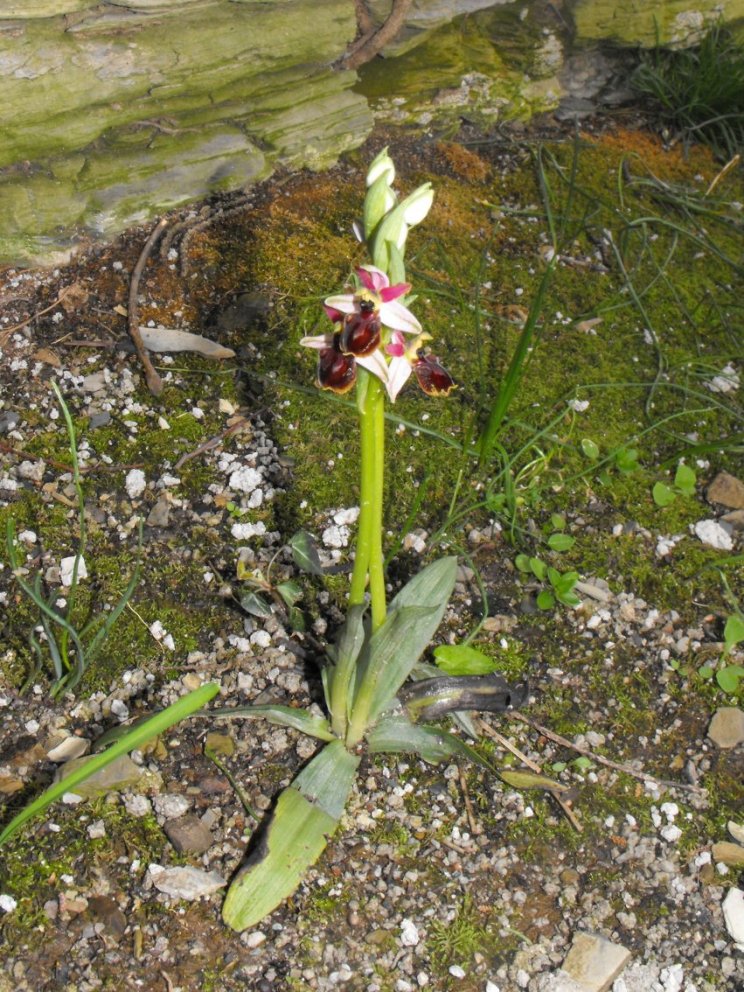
<point x="35" y="862"/>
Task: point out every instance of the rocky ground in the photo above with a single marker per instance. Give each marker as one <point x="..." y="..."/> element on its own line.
<point x="440" y="878"/>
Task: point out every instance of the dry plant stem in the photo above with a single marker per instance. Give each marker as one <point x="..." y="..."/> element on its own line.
<point x="374" y="44"/>
<point x="4" y="335"/>
<point x="643" y="776"/>
<point x="154" y="382"/>
<point x="475" y="827"/>
<point x="213" y="442"/>
<point x="500" y="739"/>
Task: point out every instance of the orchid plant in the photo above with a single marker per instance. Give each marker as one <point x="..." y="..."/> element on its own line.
<point x="374" y="343"/>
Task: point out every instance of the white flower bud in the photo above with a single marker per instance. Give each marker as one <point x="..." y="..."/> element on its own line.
<point x="416" y="206"/>
<point x="381" y="165"/>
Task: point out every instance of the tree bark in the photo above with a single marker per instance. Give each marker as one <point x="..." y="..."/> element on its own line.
<point x="371" y="42"/>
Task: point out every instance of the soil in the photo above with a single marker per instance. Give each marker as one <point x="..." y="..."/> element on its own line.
<point x="440" y="877"/>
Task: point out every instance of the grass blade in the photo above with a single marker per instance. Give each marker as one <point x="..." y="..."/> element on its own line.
<point x="139" y="735"/>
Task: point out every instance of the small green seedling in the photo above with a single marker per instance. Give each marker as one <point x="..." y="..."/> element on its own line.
<point x="729" y="676"/>
<point x="684" y="484"/>
<point x="559" y="586"/>
<point x="264" y="595"/>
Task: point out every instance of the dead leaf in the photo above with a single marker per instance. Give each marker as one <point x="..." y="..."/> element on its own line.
<point x="162" y="339"/>
<point x="513" y="313"/>
<point x="48" y="356"/>
<point x="587" y="325"/>
<point x="74" y="297"/>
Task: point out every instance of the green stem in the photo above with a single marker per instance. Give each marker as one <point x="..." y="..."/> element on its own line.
<point x="361" y="557"/>
<point x="376" y="401"/>
<point x="368" y="562"/>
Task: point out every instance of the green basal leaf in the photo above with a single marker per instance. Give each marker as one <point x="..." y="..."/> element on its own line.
<point x="397" y="735"/>
<point x="564" y="582"/>
<point x="530" y="780"/>
<point x="685" y="480"/>
<point x="728" y="678"/>
<point x="393" y="650"/>
<point x="296" y="618"/>
<point x="561" y="542"/>
<point x="523" y="563"/>
<point x="306" y="816"/>
<point x="538" y="568"/>
<point x="282" y="716"/>
<point x="733" y="632"/>
<point x="341" y="677"/>
<point x="461" y="659"/>
<point x="662" y="494"/>
<point x="590" y="449"/>
<point x="305" y="554"/>
<point x="557" y="521"/>
<point x="545" y="600"/>
<point x="568" y="598"/>
<point x="290" y="591"/>
<point x="138" y="736"/>
<point x="706" y="672"/>
<point x="626" y="460"/>
<point x="256" y="605"/>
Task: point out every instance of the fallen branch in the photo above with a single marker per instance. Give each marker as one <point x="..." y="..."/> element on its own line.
<point x="154" y="382"/>
<point x="588" y="753"/>
<point x="372" y="42"/>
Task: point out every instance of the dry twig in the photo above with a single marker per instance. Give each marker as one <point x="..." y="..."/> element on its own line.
<point x="500" y="739"/>
<point x="154" y="382"/>
<point x="588" y="753"/>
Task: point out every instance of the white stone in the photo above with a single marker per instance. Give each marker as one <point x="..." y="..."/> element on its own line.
<point x="7" y="903"/>
<point x="335" y="536"/>
<point x="97" y="830"/>
<point x="27" y="537"/>
<point x="71" y="798"/>
<point x="409" y="935"/>
<point x="70" y="747"/>
<point x="245" y="479"/>
<point x="671" y="833"/>
<point x="185" y="883"/>
<point x="261" y="639"/>
<point x="137" y="805"/>
<point x="714" y="534"/>
<point x="733" y="915"/>
<point x="594" y="961"/>
<point x="255" y="939"/>
<point x="456" y="971"/>
<point x="491" y="987"/>
<point x="241" y="532"/>
<point x="171" y="806"/>
<point x="135" y="483"/>
<point x="346" y="517"/>
<point x="66" y="568"/>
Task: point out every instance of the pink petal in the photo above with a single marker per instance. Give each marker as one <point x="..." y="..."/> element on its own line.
<point x="393" y="292"/>
<point x="342" y="304"/>
<point x="372" y="278"/>
<point x="397" y="376"/>
<point x="397" y="346"/>
<point x="399" y="318"/>
<point x="335" y="315"/>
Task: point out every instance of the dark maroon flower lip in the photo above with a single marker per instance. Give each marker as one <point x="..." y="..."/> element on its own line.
<point x="336" y="371"/>
<point x="433" y="378"/>
<point x="361" y="333"/>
